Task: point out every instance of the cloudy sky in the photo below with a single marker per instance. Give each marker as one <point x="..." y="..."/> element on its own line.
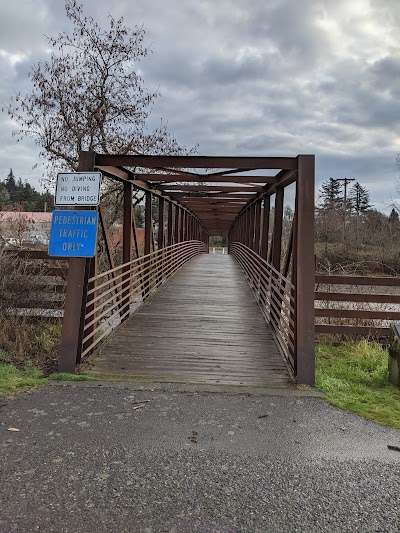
<point x="245" y="77"/>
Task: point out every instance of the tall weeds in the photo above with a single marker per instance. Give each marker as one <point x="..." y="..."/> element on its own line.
<point x="27" y="335"/>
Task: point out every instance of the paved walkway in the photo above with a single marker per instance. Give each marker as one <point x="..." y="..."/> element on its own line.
<point x="98" y="457"/>
<point x="203" y="326"/>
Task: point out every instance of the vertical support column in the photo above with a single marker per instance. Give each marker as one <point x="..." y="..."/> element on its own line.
<point x="257" y="229"/>
<point x="135" y="237"/>
<point x="276" y="299"/>
<point x="190" y="227"/>
<point x="75" y="297"/>
<point x="265" y="227"/>
<point x="148" y="223"/>
<point x="294" y="282"/>
<point x="305" y="277"/>
<point x="278" y="219"/>
<point x="241" y="232"/>
<point x="252" y="225"/>
<point x="160" y="238"/>
<point x="170" y="226"/>
<point x="176" y="231"/>
<point x="148" y="233"/>
<point x="182" y="225"/>
<point x="244" y="229"/>
<point x="126" y="245"/>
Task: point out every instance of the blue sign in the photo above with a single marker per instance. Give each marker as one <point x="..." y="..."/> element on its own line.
<point x="73" y="233"/>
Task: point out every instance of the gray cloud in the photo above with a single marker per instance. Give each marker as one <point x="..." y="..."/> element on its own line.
<point x="246" y="77"/>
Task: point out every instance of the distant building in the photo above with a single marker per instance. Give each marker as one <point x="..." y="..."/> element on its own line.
<point x="19" y="226"/>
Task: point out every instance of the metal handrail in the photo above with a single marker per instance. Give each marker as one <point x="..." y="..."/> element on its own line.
<point x="117" y="293"/>
<point x="274" y="293"/>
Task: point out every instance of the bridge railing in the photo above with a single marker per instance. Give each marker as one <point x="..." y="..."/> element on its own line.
<point x="275" y="295"/>
<point x="114" y="295"/>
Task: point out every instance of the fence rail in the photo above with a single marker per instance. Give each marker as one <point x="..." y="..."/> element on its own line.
<point x="48" y="283"/>
<point x="339" y="308"/>
<point x="115" y="294"/>
<point x="275" y="295"/>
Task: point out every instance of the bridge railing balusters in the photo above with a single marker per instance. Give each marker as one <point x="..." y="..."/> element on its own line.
<point x="125" y="283"/>
<point x="274" y="293"/>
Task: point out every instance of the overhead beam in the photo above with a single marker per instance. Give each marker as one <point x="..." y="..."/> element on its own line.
<point x="204" y="178"/>
<point x="122" y="175"/>
<point x="206" y="188"/>
<point x="190" y="161"/>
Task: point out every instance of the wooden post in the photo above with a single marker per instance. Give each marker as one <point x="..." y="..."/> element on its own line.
<point x="305" y="276"/>
<point x="75" y="298"/>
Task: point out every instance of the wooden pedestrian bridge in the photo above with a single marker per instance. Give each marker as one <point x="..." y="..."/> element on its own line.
<point x="173" y="312"/>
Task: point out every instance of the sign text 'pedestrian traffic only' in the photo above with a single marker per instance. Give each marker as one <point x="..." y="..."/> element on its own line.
<point x="78" y="188"/>
<point x="73" y="233"/>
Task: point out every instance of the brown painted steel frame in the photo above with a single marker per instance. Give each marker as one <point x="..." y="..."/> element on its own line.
<point x="235" y="204"/>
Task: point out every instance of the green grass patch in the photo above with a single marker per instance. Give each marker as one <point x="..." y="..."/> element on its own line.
<point x="12" y="379"/>
<point x="63" y="376"/>
<point x="354" y="376"/>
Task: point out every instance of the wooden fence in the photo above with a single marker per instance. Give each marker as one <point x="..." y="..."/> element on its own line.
<point x="356" y="305"/>
<point x="348" y="306"/>
<point x="48" y="277"/>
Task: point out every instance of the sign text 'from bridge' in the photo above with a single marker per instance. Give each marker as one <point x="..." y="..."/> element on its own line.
<point x="78" y="188"/>
<point x="73" y="233"/>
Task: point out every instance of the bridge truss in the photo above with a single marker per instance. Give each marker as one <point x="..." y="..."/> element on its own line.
<point x="198" y="197"/>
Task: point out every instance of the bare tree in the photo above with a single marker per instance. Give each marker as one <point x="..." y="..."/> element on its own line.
<point x="88" y="96"/>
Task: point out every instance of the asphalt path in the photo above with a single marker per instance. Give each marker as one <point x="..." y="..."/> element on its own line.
<point x="100" y="458"/>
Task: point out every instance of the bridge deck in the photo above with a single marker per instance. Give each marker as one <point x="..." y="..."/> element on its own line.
<point x="203" y="326"/>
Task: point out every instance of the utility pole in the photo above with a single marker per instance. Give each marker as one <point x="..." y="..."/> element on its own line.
<point x="345" y="181"/>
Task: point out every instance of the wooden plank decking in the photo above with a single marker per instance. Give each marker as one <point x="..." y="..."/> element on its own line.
<point x="203" y="326"/>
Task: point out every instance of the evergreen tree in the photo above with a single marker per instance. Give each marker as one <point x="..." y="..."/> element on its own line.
<point x="331" y="195"/>
<point x="4" y="196"/>
<point x="16" y="193"/>
<point x="359" y="199"/>
<point x="11" y="185"/>
<point x="394" y="217"/>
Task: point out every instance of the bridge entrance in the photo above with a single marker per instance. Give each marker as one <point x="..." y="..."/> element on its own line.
<point x="243" y="318"/>
<point x="203" y="326"/>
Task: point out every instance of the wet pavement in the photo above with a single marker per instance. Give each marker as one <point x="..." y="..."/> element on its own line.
<point x="96" y="457"/>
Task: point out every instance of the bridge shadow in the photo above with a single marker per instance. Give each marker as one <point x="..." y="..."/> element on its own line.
<point x="202" y="326"/>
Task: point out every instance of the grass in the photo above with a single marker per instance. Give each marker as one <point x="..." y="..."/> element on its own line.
<point x="63" y="376"/>
<point x="354" y="377"/>
<point x="13" y="380"/>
